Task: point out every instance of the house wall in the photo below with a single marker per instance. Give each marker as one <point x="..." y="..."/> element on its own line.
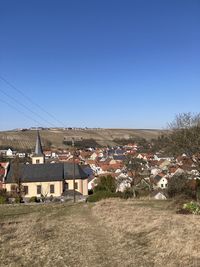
<point x="58" y="187"/>
<point x="45" y="188"/>
<point x="163" y="182"/>
<point x="82" y="186"/>
<point x="9" y="153"/>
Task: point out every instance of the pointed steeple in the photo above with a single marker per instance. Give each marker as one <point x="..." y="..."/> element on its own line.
<point x="38" y="156"/>
<point x="38" y="146"/>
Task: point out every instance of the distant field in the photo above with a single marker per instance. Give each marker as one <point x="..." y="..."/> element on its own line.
<point x="109" y="233"/>
<point x="26" y="139"/>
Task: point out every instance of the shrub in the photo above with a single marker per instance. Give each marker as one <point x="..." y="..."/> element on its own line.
<point x="90" y="191"/>
<point x="101" y="195"/>
<point x="106" y="183"/>
<point x="192" y="207"/>
<point x="56" y="199"/>
<point x="3" y="200"/>
<point x="3" y="192"/>
<point x="128" y="193"/>
<point x="33" y="199"/>
<point x="18" y="199"/>
<point x="51" y="198"/>
<point x="178" y="185"/>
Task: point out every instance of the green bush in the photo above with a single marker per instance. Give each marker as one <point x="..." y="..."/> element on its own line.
<point x="128" y="193"/>
<point x="106" y="183"/>
<point x="3" y="200"/>
<point x="192" y="207"/>
<point x="101" y="195"/>
<point x="51" y="198"/>
<point x="18" y="199"/>
<point x="33" y="199"/>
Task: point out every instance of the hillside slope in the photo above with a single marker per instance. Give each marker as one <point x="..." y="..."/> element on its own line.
<point x="26" y="139"/>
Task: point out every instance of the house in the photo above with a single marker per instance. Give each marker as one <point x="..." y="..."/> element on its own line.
<point x="91" y="182"/>
<point x="9" y="153"/>
<point x="161" y="181"/>
<point x="93" y="156"/>
<point x="159" y="157"/>
<point x="3" y="172"/>
<point x="40" y="178"/>
<point x="164" y="164"/>
<point x="159" y="195"/>
<point x="123" y="182"/>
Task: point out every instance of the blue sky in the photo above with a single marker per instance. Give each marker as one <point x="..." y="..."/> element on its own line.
<point x="99" y="63"/>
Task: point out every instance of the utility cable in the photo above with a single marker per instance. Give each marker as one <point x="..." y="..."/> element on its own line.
<point x="27" y="108"/>
<point x="30" y="100"/>
<point x="21" y="112"/>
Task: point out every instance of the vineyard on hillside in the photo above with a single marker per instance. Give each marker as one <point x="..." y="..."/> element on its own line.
<point x="25" y="140"/>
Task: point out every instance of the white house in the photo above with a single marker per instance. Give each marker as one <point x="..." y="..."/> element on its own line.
<point x="123" y="181"/>
<point x="91" y="183"/>
<point x="93" y="156"/>
<point x="160" y="196"/>
<point x="155" y="171"/>
<point x="9" y="153"/>
<point x="162" y="182"/>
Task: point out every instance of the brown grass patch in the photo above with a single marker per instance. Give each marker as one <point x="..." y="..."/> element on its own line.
<point x="110" y="233"/>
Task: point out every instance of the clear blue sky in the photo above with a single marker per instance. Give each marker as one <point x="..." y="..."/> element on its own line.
<point x="100" y="63"/>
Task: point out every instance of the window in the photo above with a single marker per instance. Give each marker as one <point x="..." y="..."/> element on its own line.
<point x="39" y="189"/>
<point x="52" y="189"/>
<point x="26" y="190"/>
<point x="37" y="161"/>
<point x="76" y="185"/>
<point x="161" y="185"/>
<point x="66" y="186"/>
<point x="13" y="187"/>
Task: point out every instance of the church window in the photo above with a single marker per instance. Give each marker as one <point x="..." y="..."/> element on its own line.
<point x="52" y="189"/>
<point x="26" y="190"/>
<point x="39" y="189"/>
<point x="76" y="185"/>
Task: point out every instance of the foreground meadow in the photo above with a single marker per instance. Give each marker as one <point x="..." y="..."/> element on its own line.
<point x="109" y="233"/>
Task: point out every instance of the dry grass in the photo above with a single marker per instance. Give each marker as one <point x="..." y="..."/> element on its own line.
<point x="109" y="233"/>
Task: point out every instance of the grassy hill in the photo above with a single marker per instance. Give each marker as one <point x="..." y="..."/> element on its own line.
<point x="109" y="233"/>
<point x="26" y="139"/>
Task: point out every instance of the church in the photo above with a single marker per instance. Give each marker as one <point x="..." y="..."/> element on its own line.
<point x="47" y="179"/>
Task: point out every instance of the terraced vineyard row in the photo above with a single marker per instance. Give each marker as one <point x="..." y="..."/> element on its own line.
<point x="26" y="139"/>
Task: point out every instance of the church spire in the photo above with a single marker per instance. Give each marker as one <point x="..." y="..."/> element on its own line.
<point x="38" y="156"/>
<point x="38" y="146"/>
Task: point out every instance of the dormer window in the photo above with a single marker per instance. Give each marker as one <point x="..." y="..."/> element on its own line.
<point x="37" y="161"/>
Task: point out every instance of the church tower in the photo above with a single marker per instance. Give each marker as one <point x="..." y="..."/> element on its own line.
<point x="38" y="156"/>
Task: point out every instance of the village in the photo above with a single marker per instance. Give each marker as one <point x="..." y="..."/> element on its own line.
<point x="149" y="173"/>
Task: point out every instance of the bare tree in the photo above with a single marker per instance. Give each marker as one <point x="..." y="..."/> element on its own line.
<point x="135" y="167"/>
<point x="185" y="134"/>
<point x="185" y="121"/>
<point x="17" y="177"/>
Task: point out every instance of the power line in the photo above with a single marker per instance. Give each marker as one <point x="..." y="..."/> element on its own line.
<point x="21" y="112"/>
<point x="27" y="108"/>
<point x="30" y="100"/>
